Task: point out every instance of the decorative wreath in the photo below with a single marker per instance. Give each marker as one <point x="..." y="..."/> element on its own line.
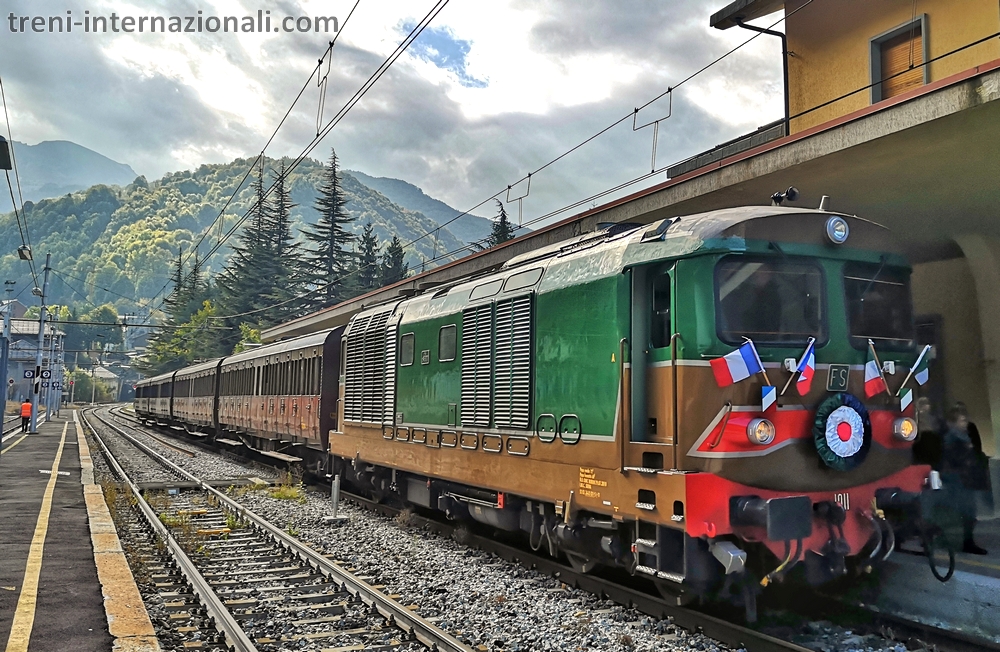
<point x="842" y="432"/>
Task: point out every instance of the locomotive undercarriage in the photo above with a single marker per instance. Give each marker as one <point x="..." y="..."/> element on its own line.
<point x="683" y="568"/>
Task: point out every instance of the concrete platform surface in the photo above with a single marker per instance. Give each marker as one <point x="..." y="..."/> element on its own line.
<point x="968" y="602"/>
<point x="50" y="593"/>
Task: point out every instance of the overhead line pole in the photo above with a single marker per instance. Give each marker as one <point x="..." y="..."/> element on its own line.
<point x="41" y="346"/>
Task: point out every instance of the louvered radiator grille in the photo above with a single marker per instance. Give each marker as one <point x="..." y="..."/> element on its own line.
<point x="477" y="367"/>
<point x="512" y="389"/>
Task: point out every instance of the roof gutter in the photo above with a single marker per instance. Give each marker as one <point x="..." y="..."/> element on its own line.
<point x="784" y="61"/>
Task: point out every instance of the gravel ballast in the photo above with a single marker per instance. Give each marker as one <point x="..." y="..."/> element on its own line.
<point x="486" y="601"/>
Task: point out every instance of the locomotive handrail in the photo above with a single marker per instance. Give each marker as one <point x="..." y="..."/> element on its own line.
<point x="626" y="406"/>
<point x="673" y="377"/>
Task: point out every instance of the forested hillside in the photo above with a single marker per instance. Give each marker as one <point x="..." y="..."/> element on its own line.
<point x="117" y="244"/>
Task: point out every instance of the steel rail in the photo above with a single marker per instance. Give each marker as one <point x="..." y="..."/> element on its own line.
<point x="692" y="620"/>
<point x="424" y="631"/>
<point x="224" y="621"/>
<point x="943" y="639"/>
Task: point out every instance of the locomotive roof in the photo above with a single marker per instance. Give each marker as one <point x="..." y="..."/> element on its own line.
<point x="688" y="233"/>
<point x="284" y="346"/>
<point x="606" y="253"/>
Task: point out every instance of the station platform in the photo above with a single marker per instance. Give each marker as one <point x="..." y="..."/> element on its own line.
<point x="968" y="602"/>
<point x="64" y="581"/>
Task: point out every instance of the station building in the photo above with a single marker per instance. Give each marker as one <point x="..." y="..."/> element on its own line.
<point x="893" y="111"/>
<point x="23" y="349"/>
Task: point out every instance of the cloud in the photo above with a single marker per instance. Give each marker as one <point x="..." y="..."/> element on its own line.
<point x="482" y="97"/>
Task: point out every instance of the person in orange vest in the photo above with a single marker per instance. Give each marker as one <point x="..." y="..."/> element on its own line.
<point x="25" y="414"/>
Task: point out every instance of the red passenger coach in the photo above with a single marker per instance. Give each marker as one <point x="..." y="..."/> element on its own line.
<point x="194" y="394"/>
<point x="153" y="396"/>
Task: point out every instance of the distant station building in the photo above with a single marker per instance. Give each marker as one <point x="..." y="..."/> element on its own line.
<point x="892" y="112"/>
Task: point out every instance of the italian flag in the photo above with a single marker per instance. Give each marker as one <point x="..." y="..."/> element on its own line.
<point x="874" y="382"/>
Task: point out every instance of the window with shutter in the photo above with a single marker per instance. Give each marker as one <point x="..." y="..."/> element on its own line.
<point x="512" y="389"/>
<point x="897" y="60"/>
<point x="477" y="364"/>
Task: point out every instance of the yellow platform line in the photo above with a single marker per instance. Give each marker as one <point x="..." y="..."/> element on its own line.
<point x="24" y="616"/>
<point x="13" y="445"/>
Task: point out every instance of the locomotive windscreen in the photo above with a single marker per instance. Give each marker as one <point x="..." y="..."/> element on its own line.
<point x="879" y="307"/>
<point x="769" y="301"/>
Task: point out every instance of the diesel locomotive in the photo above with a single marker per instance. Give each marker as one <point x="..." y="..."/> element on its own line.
<point x="623" y="398"/>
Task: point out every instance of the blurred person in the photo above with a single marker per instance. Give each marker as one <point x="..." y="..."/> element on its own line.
<point x="25" y="414"/>
<point x="927" y="448"/>
<point x="959" y="473"/>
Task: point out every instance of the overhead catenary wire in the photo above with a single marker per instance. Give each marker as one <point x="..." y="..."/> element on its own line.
<point x="344" y="110"/>
<point x="18" y="216"/>
<point x="527" y="176"/>
<point x="220" y="218"/>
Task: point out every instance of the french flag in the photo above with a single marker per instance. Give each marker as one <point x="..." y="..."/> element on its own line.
<point x="736" y="366"/>
<point x="806" y="368"/>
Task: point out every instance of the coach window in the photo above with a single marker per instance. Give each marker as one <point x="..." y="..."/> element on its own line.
<point x="406" y="350"/>
<point x="660" y="330"/>
<point x="447" y="343"/>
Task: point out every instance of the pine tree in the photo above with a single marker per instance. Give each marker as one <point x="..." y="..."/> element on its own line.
<point x="245" y="282"/>
<point x="283" y="277"/>
<point x="503" y="230"/>
<point x="393" y="267"/>
<point x="176" y="300"/>
<point x="326" y="260"/>
<point x="367" y="277"/>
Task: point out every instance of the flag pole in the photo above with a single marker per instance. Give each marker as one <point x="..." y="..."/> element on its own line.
<point x="785" y="388"/>
<point x="795" y="372"/>
<point x="920" y="358"/>
<point x="757" y="356"/>
<point x="878" y="364"/>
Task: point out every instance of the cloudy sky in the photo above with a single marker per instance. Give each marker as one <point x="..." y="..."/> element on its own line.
<point x="488" y="93"/>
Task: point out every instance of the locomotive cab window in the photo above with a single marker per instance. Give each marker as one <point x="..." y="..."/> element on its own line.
<point x="406" y="350"/>
<point x="447" y="343"/>
<point x="879" y="306"/>
<point x="770" y="301"/>
<point x="660" y="329"/>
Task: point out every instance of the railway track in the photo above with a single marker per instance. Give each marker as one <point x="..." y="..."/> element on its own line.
<point x="260" y="587"/>
<point x="860" y="617"/>
<point x="729" y="633"/>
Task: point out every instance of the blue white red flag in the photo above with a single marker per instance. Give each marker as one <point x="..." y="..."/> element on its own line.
<point x="736" y="366"/>
<point x="806" y="368"/>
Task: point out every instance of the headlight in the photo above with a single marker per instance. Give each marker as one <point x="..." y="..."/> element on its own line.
<point x="837" y="230"/>
<point x="905" y="429"/>
<point x="760" y="431"/>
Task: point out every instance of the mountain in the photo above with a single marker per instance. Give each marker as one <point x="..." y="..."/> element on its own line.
<point x="117" y="243"/>
<point x="56" y="167"/>
<point x="469" y="228"/>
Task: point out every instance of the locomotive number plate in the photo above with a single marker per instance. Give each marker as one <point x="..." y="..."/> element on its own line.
<point x="837" y="380"/>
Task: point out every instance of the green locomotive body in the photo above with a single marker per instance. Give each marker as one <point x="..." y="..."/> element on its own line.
<point x="570" y="394"/>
